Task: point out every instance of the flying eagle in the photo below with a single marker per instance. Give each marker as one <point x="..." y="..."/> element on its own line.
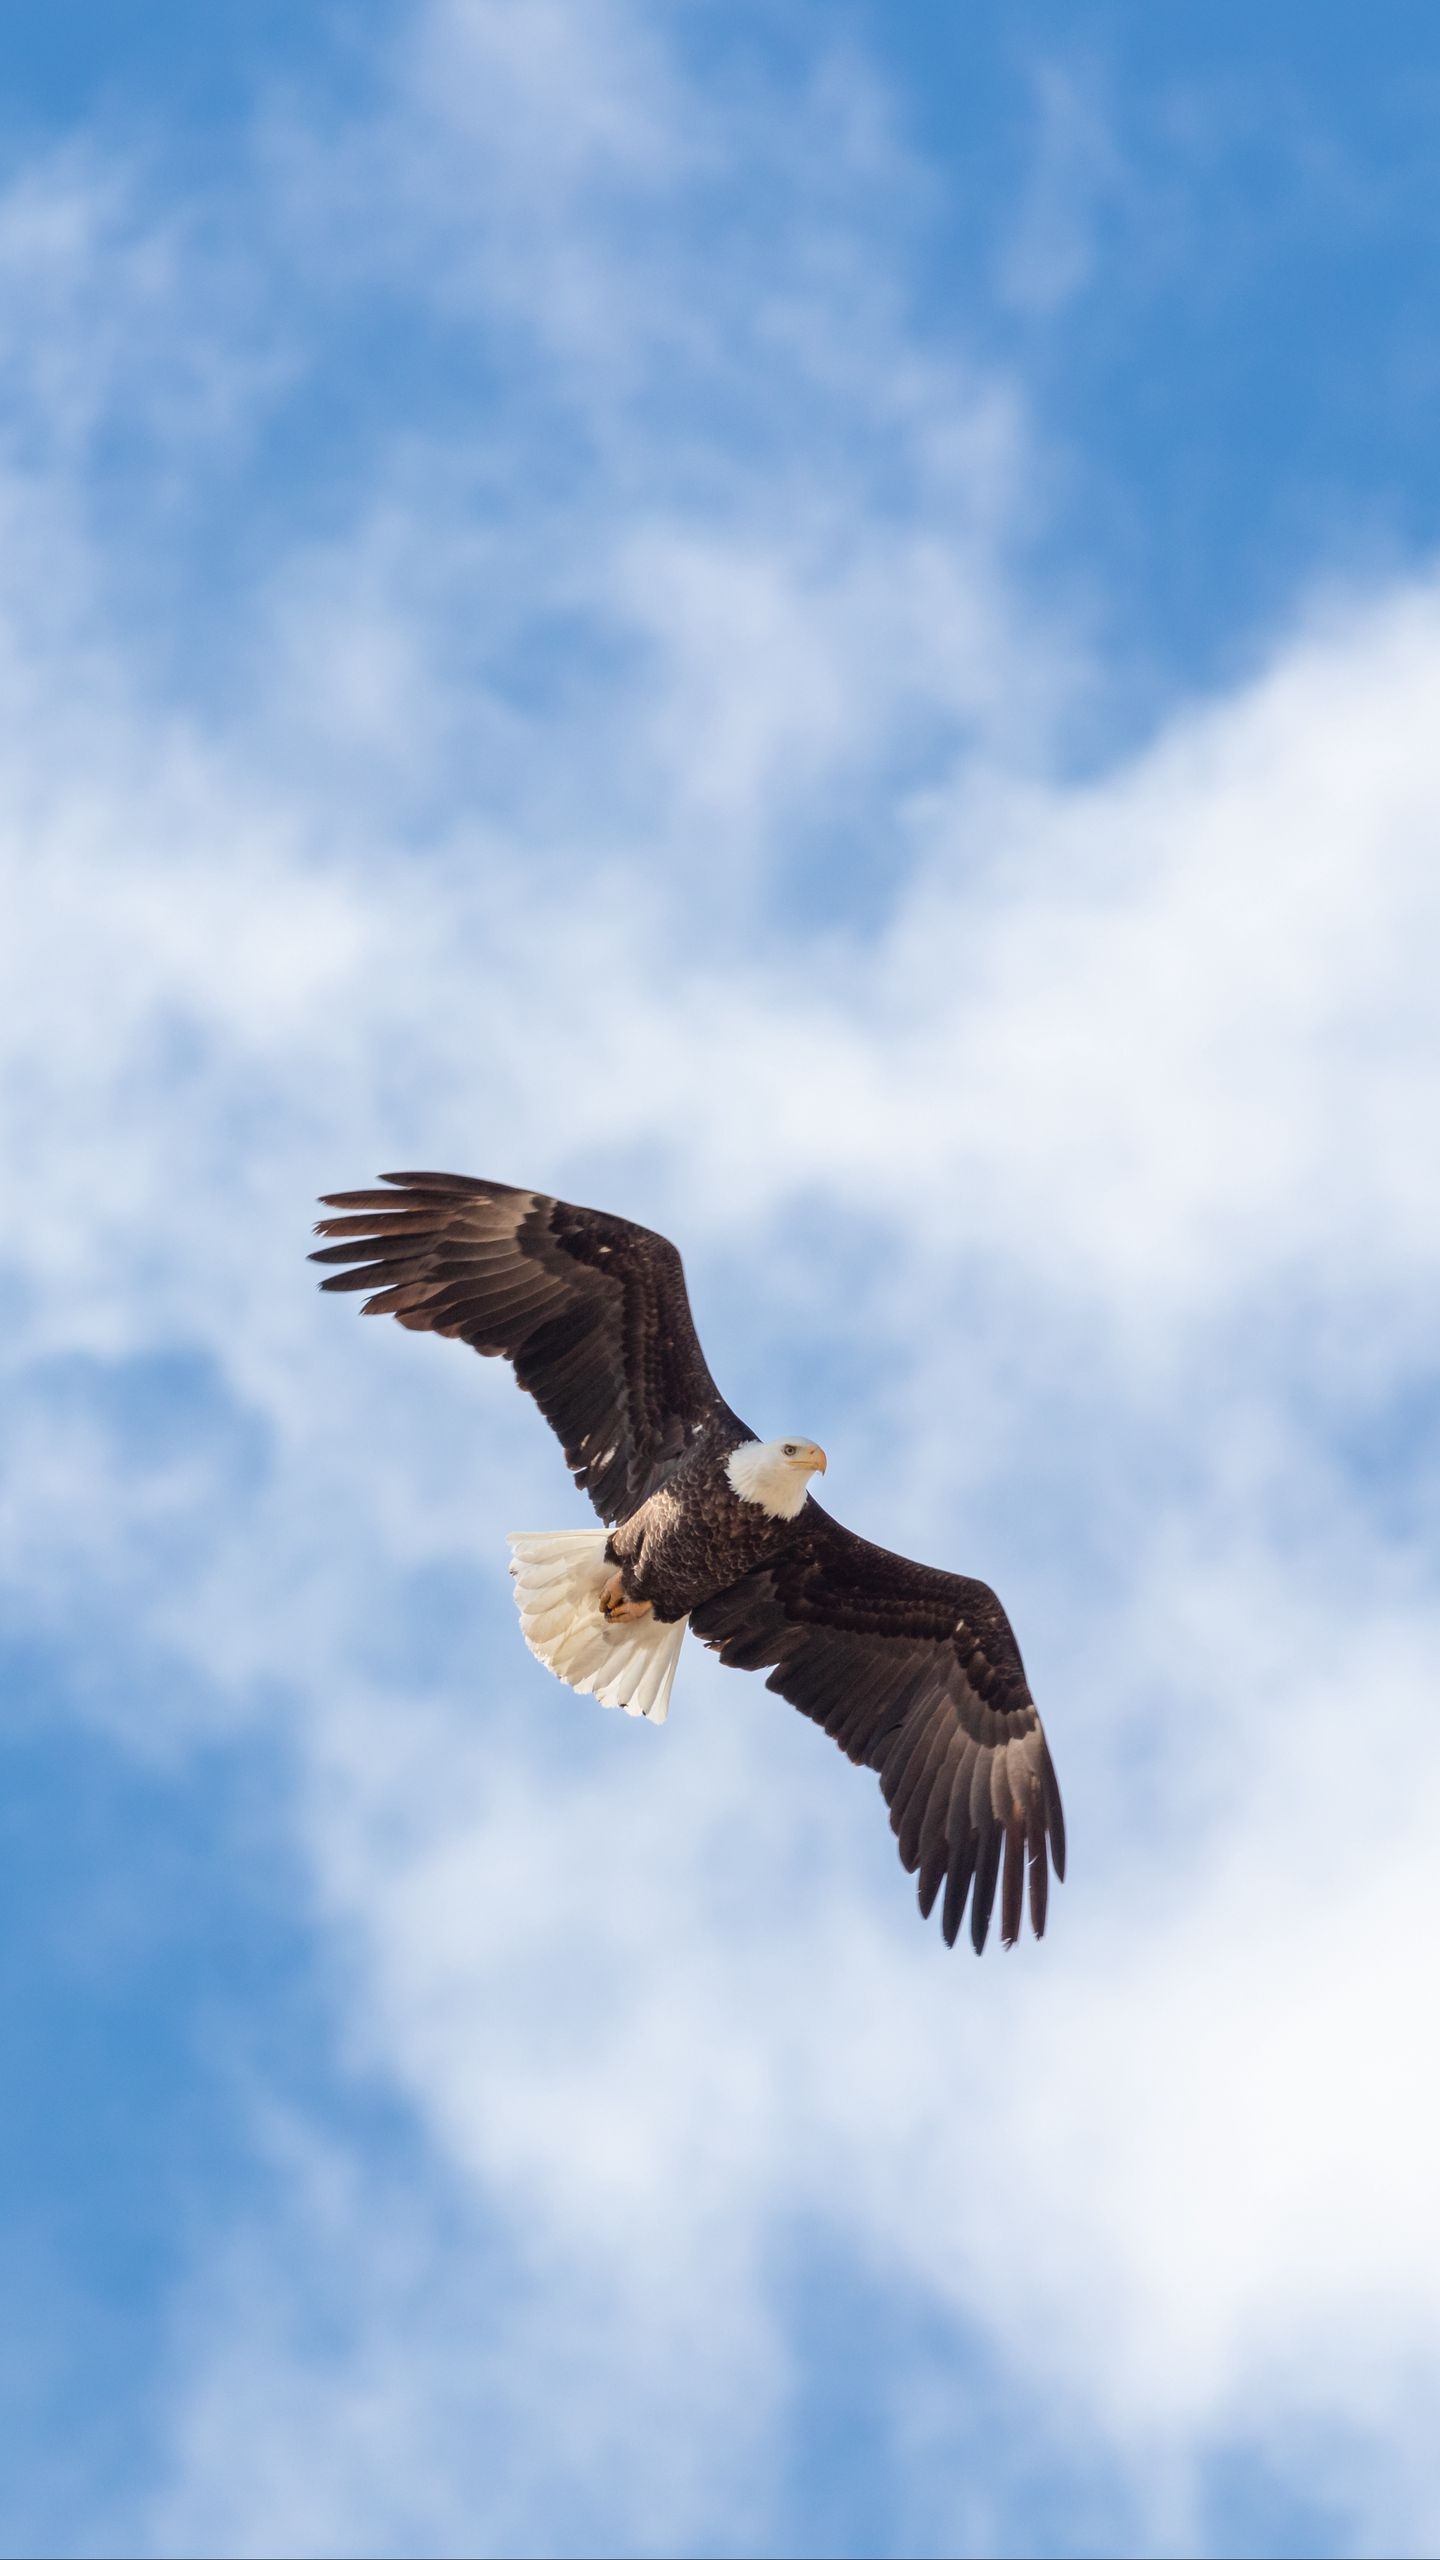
<point x="914" y="1672"/>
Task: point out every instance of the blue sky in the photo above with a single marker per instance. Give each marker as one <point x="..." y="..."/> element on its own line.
<point x="820" y="626"/>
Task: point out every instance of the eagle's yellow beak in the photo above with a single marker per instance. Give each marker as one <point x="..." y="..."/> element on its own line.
<point x="819" y="1457"/>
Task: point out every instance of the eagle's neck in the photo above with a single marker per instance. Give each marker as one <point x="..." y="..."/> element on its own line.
<point x="758" y="1473"/>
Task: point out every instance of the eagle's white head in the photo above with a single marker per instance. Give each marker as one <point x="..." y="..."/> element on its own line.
<point x="774" y="1473"/>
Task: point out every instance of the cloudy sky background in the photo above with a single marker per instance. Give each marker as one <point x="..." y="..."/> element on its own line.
<point x="819" y="625"/>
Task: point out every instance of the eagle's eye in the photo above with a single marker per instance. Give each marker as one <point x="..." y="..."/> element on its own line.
<point x="789" y="1450"/>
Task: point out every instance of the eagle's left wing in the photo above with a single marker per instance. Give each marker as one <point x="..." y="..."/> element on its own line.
<point x="590" y="1310"/>
<point x="916" y="1674"/>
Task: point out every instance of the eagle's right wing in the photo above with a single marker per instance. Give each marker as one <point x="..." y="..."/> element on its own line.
<point x="916" y="1674"/>
<point x="591" y="1310"/>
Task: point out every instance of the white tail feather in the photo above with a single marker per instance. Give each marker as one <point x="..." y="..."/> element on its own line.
<point x="559" y="1576"/>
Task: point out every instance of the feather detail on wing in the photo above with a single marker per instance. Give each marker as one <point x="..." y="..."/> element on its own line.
<point x="591" y="1310"/>
<point x="916" y="1674"/>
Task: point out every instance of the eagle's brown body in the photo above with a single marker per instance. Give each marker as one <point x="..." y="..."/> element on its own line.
<point x="913" y="1671"/>
<point x="693" y="1537"/>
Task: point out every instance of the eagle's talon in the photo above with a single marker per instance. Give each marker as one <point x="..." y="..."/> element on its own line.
<point x="615" y="1609"/>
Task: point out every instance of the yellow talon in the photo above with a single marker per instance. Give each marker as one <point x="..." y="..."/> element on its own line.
<point x="615" y="1609"/>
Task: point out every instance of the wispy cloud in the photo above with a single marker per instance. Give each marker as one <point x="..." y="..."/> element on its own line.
<point x="1080" y="1131"/>
<point x="1075" y="172"/>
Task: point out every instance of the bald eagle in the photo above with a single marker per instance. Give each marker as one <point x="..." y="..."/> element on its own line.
<point x="914" y="1672"/>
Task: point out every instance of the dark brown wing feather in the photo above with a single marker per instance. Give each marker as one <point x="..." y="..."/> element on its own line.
<point x="917" y="1675"/>
<point x="591" y="1310"/>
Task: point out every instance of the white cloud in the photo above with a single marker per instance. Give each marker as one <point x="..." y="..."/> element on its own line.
<point x="100" y="314"/>
<point x="1121" y="1113"/>
<point x="1075" y="173"/>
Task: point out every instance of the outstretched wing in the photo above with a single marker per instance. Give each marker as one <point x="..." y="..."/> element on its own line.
<point x="917" y="1675"/>
<point x="591" y="1310"/>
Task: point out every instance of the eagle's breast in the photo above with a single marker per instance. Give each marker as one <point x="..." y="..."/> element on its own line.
<point x="695" y="1536"/>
